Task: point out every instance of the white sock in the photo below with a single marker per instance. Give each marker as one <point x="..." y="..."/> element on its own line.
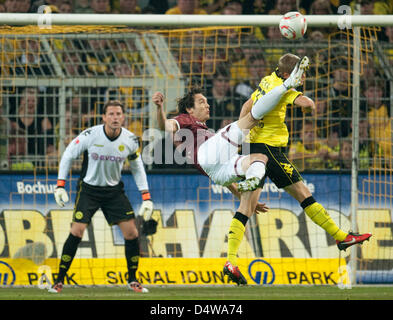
<point x="267" y="102"/>
<point x="256" y="169"/>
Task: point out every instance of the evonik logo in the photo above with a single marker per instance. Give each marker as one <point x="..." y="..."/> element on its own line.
<point x="96" y="156"/>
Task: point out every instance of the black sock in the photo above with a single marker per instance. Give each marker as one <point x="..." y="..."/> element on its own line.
<point x="241" y="217"/>
<point x="68" y="254"/>
<point x="132" y="257"/>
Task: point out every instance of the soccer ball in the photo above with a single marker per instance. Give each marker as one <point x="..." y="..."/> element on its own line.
<point x="293" y="25"/>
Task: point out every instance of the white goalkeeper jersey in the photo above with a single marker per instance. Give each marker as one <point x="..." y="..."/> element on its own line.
<point x="103" y="158"/>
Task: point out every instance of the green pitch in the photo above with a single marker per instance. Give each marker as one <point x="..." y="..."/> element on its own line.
<point x="204" y="293"/>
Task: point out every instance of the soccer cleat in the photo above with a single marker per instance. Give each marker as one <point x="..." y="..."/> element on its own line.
<point x="295" y="78"/>
<point x="136" y="287"/>
<point x="249" y="184"/>
<point x="234" y="273"/>
<point x="56" y="288"/>
<point x="351" y="239"/>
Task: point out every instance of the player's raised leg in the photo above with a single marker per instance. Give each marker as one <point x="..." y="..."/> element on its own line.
<point x="318" y="214"/>
<point x="269" y="101"/>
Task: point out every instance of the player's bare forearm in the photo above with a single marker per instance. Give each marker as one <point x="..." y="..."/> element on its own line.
<point x="158" y="100"/>
<point x="163" y="123"/>
<point x="305" y="103"/>
<point x="246" y="108"/>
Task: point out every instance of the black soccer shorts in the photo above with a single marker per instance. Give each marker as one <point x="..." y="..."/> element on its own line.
<point x="279" y="169"/>
<point x="112" y="201"/>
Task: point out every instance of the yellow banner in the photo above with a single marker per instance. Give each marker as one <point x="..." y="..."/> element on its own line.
<point x="187" y="271"/>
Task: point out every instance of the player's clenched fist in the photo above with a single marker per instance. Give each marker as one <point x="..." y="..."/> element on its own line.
<point x="158" y="99"/>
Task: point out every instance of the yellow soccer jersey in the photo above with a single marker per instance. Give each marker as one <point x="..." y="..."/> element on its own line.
<point x="272" y="129"/>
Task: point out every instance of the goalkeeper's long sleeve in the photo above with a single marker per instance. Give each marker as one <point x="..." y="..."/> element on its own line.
<point x="139" y="173"/>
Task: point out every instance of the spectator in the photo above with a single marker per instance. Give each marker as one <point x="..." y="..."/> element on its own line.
<point x="273" y="54"/>
<point x="333" y="140"/>
<point x="309" y="152"/>
<point x="321" y="7"/>
<point x="100" y="6"/>
<point x="186" y="7"/>
<point x="341" y="101"/>
<point x="30" y="120"/>
<point x="127" y="7"/>
<point x="365" y="143"/>
<point x="284" y="6"/>
<point x="32" y="61"/>
<point x="345" y="158"/>
<point x="72" y="64"/>
<point x="258" y="7"/>
<point x="224" y="103"/>
<point x="97" y="57"/>
<point x="2" y="8"/>
<point x="256" y="71"/>
<point x="212" y="6"/>
<point x="17" y="6"/>
<point x="82" y="6"/>
<point x="321" y="116"/>
<point x="66" y="7"/>
<point x="379" y="121"/>
<point x="388" y="50"/>
<point x="233" y="7"/>
<point x="17" y="151"/>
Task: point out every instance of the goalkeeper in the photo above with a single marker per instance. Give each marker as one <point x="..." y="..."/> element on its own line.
<point x="105" y="148"/>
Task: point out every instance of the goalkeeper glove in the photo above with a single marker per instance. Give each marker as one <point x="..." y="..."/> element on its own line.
<point x="149" y="225"/>
<point x="61" y="195"/>
<point x="146" y="209"/>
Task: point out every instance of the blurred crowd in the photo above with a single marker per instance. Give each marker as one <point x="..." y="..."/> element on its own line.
<point x="321" y="140"/>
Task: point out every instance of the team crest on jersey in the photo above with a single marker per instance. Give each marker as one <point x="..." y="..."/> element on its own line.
<point x="121" y="148"/>
<point x="79" y="215"/>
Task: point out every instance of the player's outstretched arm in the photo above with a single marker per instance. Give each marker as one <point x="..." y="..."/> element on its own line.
<point x="163" y="123"/>
<point x="246" y="108"/>
<point x="140" y="178"/>
<point x="305" y="103"/>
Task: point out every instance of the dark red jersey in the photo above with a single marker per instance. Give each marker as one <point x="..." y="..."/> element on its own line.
<point x="192" y="133"/>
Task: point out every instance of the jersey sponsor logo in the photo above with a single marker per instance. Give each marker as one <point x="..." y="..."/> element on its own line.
<point x="96" y="156"/>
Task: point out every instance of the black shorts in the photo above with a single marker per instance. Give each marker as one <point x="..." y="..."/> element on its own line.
<point x="279" y="169"/>
<point x="112" y="201"/>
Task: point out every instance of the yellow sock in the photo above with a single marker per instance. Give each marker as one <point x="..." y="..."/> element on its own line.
<point x="235" y="237"/>
<point x="320" y="216"/>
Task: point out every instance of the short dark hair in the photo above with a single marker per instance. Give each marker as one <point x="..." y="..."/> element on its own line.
<point x="187" y="101"/>
<point x="286" y="63"/>
<point x="112" y="103"/>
